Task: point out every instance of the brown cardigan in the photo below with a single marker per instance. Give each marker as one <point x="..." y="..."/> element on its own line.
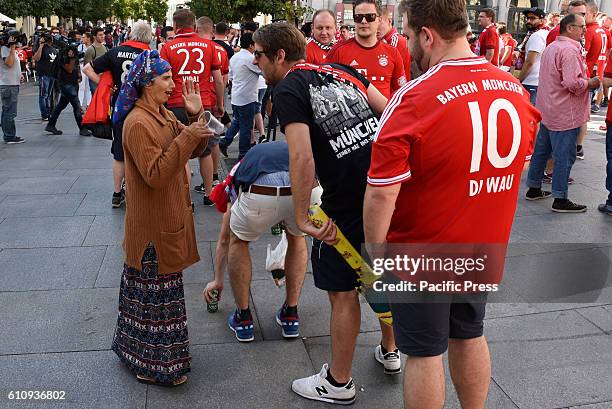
<point x="158" y="206"/>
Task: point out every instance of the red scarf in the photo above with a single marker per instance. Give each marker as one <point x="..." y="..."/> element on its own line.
<point x="136" y="44"/>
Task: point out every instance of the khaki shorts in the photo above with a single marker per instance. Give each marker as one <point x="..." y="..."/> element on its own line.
<point x="253" y="214"/>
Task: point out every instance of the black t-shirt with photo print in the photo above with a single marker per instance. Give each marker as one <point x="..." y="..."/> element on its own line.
<point x="342" y="126"/>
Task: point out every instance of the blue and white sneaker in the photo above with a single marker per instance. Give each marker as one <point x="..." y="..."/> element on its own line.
<point x="242" y="329"/>
<point x="290" y="324"/>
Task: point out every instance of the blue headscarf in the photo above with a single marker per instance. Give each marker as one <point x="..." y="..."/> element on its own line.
<point x="145" y="68"/>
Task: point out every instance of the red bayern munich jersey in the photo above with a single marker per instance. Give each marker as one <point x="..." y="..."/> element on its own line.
<point x="457" y="139"/>
<point x="592" y="45"/>
<point x="211" y="95"/>
<point x="381" y="65"/>
<point x="314" y="53"/>
<point x="399" y="41"/>
<point x="191" y="57"/>
<point x="489" y="39"/>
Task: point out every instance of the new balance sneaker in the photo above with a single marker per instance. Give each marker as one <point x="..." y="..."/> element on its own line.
<point x="604" y="103"/>
<point x="390" y="361"/>
<point x="317" y="387"/>
<point x="536" y="194"/>
<point x="118" y="199"/>
<point x="242" y="328"/>
<point x="289" y="322"/>
<point x="200" y="189"/>
<point x="567" y="206"/>
<point x="580" y="153"/>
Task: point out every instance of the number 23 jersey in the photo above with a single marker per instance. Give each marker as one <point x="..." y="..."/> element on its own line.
<point x="457" y="139"/>
<point x="191" y="57"/>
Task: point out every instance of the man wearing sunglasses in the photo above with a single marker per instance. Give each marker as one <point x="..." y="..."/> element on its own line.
<point x="323" y="35"/>
<point x="329" y="116"/>
<point x="380" y="63"/>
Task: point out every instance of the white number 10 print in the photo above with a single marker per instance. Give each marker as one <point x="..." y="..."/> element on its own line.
<point x="477" y="127"/>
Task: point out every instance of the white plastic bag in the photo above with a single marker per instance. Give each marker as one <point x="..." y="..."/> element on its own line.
<point x="275" y="261"/>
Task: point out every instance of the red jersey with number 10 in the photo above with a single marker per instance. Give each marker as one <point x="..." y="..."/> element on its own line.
<point x="191" y="57"/>
<point x="456" y="138"/>
<point x="382" y="64"/>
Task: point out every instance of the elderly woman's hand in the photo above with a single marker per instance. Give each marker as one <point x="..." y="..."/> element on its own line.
<point x="201" y="129"/>
<point x="191" y="97"/>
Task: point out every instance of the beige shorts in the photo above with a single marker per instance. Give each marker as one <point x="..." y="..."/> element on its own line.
<point x="253" y="214"/>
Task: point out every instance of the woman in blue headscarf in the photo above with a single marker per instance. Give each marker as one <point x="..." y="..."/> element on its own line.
<point x="151" y="335"/>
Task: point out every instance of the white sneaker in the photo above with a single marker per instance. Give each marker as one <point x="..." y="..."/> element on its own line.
<point x="316" y="387"/>
<point x="391" y="360"/>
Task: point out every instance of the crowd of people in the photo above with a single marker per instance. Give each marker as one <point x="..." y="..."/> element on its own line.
<point x="387" y="158"/>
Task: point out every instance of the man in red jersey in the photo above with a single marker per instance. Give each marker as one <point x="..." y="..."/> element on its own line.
<point x="417" y="147"/>
<point x="209" y="161"/>
<point x="388" y="34"/>
<point x="195" y="58"/>
<point x="323" y="36"/>
<point x="594" y="42"/>
<point x="380" y="63"/>
<point x="509" y="44"/>
<point x="575" y="7"/>
<point x="606" y="24"/>
<point x="488" y="41"/>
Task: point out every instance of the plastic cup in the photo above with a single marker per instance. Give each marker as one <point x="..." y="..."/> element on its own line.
<point x="213" y="123"/>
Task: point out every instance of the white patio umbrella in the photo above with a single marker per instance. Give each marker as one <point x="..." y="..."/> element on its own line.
<point x="4" y="18"/>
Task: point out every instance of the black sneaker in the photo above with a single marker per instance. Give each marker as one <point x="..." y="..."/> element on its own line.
<point x="53" y="130"/>
<point x="207" y="202"/>
<point x="14" y="141"/>
<point x="567" y="206"/>
<point x="200" y="189"/>
<point x="85" y="132"/>
<point x="580" y="153"/>
<point x="536" y="194"/>
<point x="223" y="150"/>
<point x="44" y="119"/>
<point x="604" y="103"/>
<point x="594" y="108"/>
<point x="605" y="208"/>
<point x="118" y="199"/>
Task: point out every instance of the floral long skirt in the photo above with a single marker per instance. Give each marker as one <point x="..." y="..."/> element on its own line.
<point x="151" y="335"/>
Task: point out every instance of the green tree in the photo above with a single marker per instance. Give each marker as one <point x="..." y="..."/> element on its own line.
<point x="246" y="10"/>
<point x="156" y="11"/>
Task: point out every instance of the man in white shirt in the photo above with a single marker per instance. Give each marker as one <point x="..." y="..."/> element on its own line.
<point x="244" y="78"/>
<point x="10" y="77"/>
<point x="530" y="73"/>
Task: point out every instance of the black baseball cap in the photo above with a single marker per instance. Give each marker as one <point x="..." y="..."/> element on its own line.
<point x="534" y="10"/>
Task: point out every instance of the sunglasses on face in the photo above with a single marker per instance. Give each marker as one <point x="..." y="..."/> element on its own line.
<point x="258" y="53"/>
<point x="369" y="17"/>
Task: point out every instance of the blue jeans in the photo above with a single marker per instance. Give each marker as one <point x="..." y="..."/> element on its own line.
<point x="44" y="94"/>
<point x="533" y="92"/>
<point x="8" y="95"/>
<point x="69" y="94"/>
<point x="609" y="165"/>
<point x="243" y="123"/>
<point x="562" y="146"/>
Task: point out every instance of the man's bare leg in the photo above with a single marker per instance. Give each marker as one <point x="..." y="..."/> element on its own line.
<point x="424" y="383"/>
<point x="206" y="171"/>
<point x="345" y="323"/>
<point x="296" y="260"/>
<point x="470" y="367"/>
<point x="118" y="174"/>
<point x="240" y="270"/>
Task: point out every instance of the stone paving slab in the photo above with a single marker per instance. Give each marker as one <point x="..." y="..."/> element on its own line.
<point x="41" y="205"/>
<point x="601" y="316"/>
<point x="94" y="184"/>
<point x="550" y="360"/>
<point x="22" y="232"/>
<point x="57" y="321"/>
<point x="98" y="204"/>
<point x="602" y="405"/>
<point x="85" y="163"/>
<point x="50" y="268"/>
<point x="106" y="230"/>
<point x="94" y="379"/>
<point x="31" y="173"/>
<point x="258" y="379"/>
<point x="34" y="163"/>
<point x="38" y="185"/>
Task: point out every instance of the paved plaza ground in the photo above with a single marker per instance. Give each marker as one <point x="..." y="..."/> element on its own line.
<point x="61" y="262"/>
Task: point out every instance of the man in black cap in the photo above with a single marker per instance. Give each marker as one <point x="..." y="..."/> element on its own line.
<point x="533" y="46"/>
